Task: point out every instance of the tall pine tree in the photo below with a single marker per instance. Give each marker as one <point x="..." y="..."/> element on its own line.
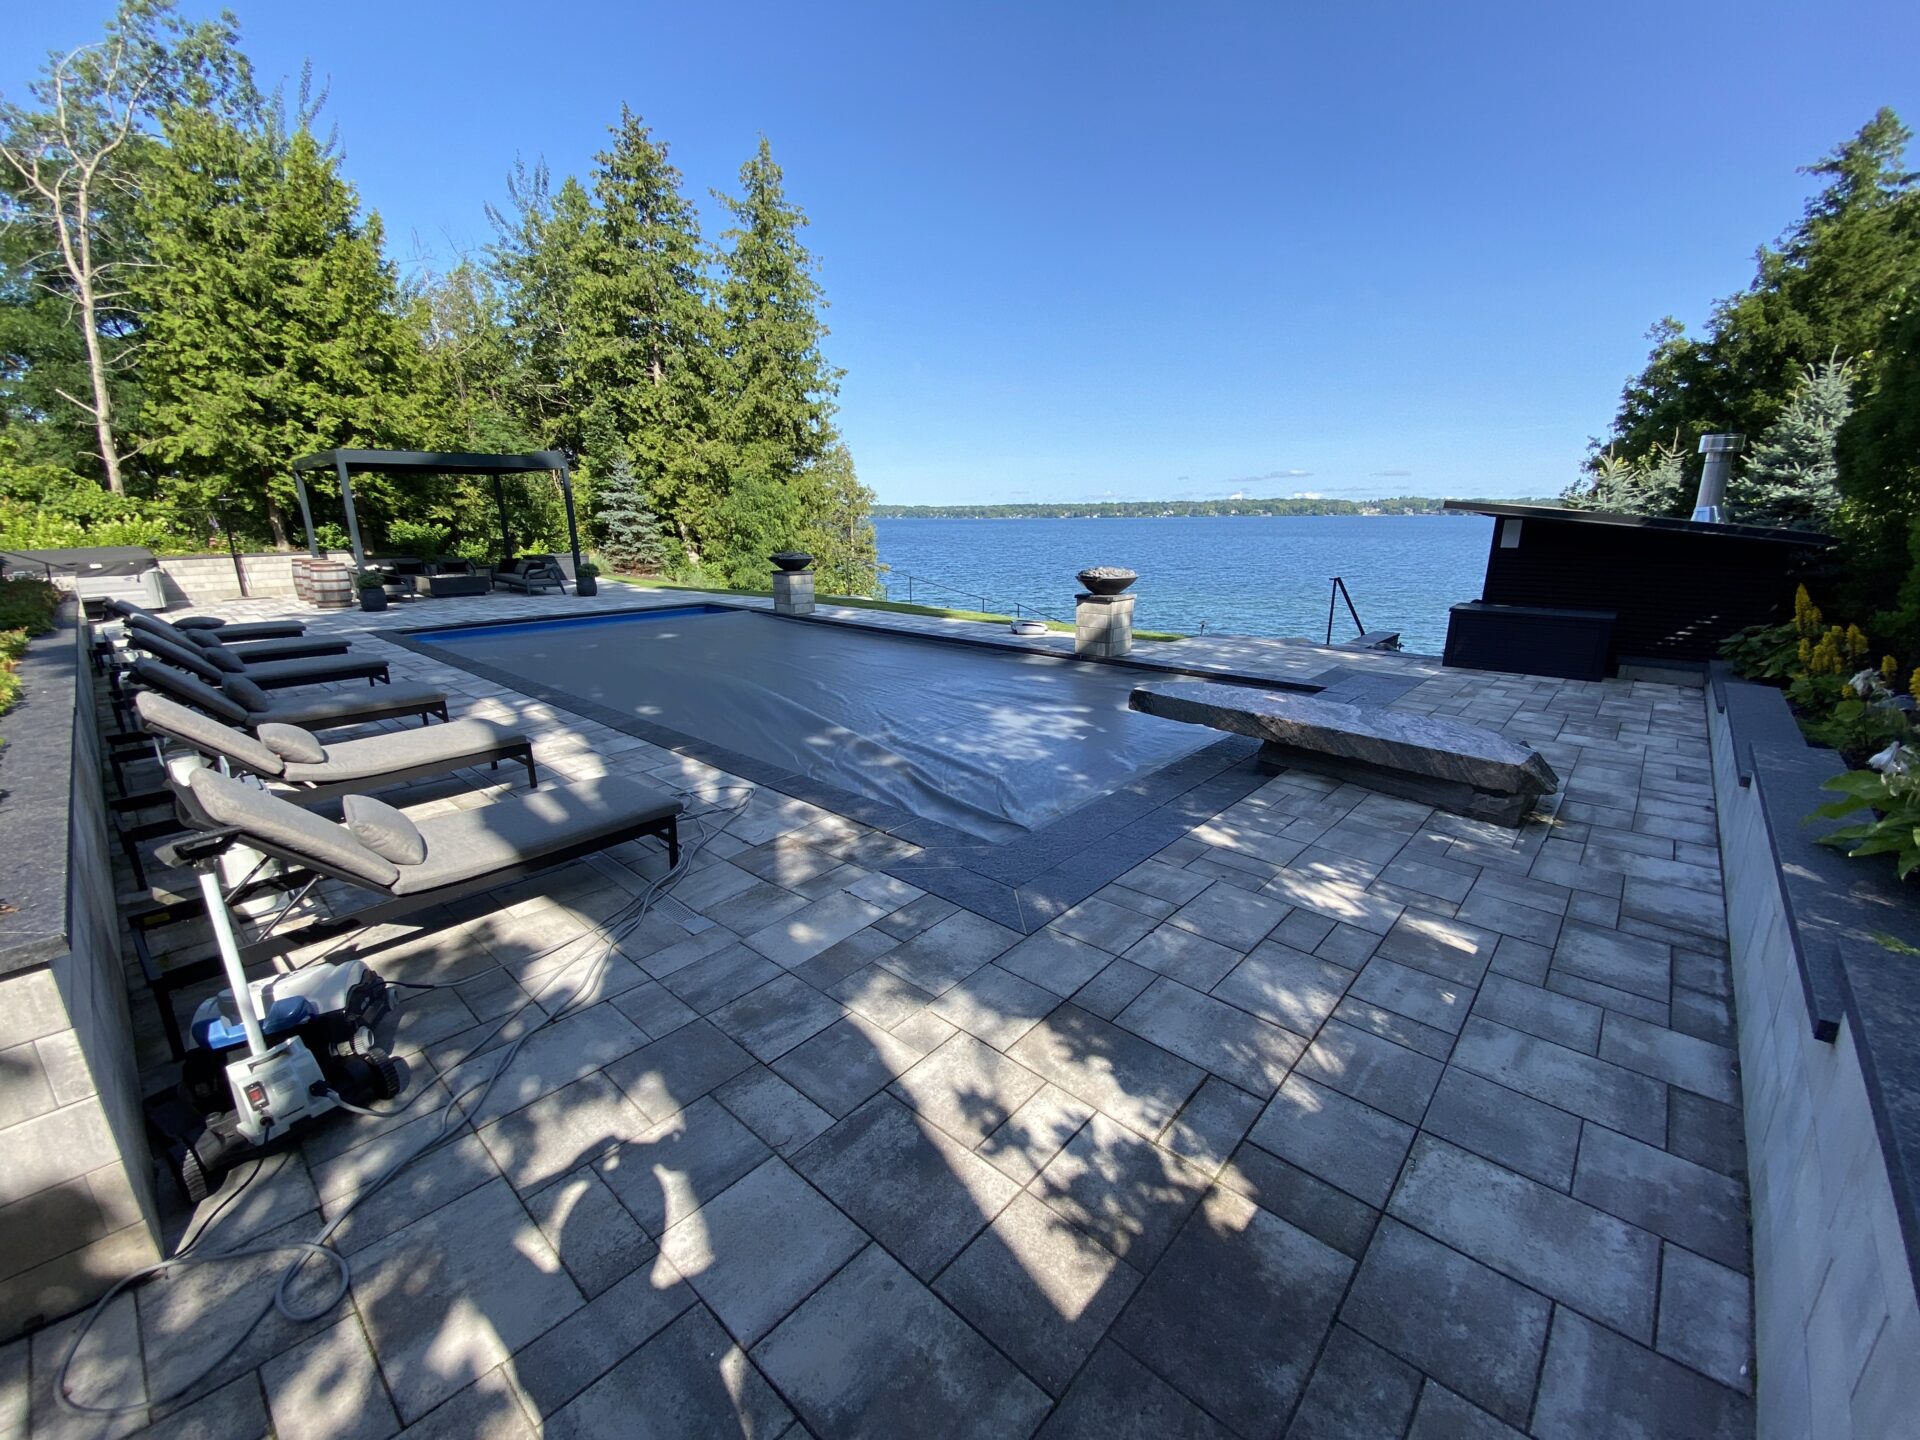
<point x="628" y="530"/>
<point x="1790" y="476"/>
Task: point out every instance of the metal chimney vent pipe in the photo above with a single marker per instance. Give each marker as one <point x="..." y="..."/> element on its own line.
<point x="1710" y="504"/>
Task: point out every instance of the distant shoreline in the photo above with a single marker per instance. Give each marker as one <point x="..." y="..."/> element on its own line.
<point x="1176" y="509"/>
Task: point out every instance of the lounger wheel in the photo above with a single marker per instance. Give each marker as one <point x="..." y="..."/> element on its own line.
<point x="193" y="1175"/>
<point x="387" y="1080"/>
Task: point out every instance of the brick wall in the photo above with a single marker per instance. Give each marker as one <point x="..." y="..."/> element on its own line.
<point x="1837" y="1326"/>
<point x="77" y="1204"/>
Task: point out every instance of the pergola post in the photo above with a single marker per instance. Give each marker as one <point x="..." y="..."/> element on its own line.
<point x="573" y="529"/>
<point x="506" y="531"/>
<point x="306" y="514"/>
<point x="346" y="502"/>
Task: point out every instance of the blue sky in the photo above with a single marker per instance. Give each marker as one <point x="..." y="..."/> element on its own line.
<point x="1158" y="250"/>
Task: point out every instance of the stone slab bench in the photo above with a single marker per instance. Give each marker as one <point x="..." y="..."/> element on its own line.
<point x="1464" y="768"/>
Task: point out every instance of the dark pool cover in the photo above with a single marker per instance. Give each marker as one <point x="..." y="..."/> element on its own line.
<point x="993" y="742"/>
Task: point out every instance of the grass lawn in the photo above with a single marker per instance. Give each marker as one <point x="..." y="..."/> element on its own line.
<point x="899" y="608"/>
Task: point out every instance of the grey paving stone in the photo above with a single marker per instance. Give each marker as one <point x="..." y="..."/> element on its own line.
<point x="1347" y="945"/>
<point x="677" y="956"/>
<point x="1040" y="1289"/>
<point x="1697" y="1065"/>
<point x="874" y="1353"/>
<point x="1597" y="1383"/>
<point x="1505" y="1127"/>
<point x="1178" y="953"/>
<point x="1126" y="1192"/>
<point x="486" y="1410"/>
<point x="1330" y="1215"/>
<point x="236" y="1411"/>
<point x="1678" y="907"/>
<point x="1164" y="881"/>
<point x="1356" y="1389"/>
<point x="1236" y="918"/>
<point x="687" y="1380"/>
<point x="1566" y="1249"/>
<point x="1099" y="922"/>
<point x="675" y="1071"/>
<point x="1452" y="949"/>
<point x="725" y="975"/>
<point x="1302" y="930"/>
<point x="1279" y="1285"/>
<point x="1334" y="1137"/>
<point x="562" y="1131"/>
<point x="944" y="954"/>
<point x="1446" y="882"/>
<point x="877" y="994"/>
<point x="801" y="934"/>
<point x="1116" y="1072"/>
<point x="456" y="1293"/>
<point x="1684" y="1202"/>
<point x="1384" y="1075"/>
<point x="1115" y="1397"/>
<point x="760" y="1247"/>
<point x="781" y="1014"/>
<point x="328" y="1386"/>
<point x="844" y="1064"/>
<point x="1113" y="989"/>
<point x="836" y="962"/>
<point x="1705" y="1017"/>
<point x="914" y="1190"/>
<point x="1508" y="917"/>
<point x="1545" y="1013"/>
<point x="995" y="1005"/>
<point x="595" y="1338"/>
<point x="1521" y="960"/>
<point x="915" y="916"/>
<point x="767" y="1105"/>
<point x="1443" y="1415"/>
<point x="1212" y="1125"/>
<point x="1533" y="892"/>
<point x="654" y="1008"/>
<point x="1338" y="900"/>
<point x="1391" y="1025"/>
<point x="1711" y="974"/>
<point x="590" y="1230"/>
<point x="1592" y="1088"/>
<point x="674" y="1168"/>
<point x="1706" y="1318"/>
<point x="1416" y="994"/>
<point x="1594" y="910"/>
<point x="1241" y="1048"/>
<point x="1055" y="961"/>
<point x="1615" y="959"/>
<point x="560" y="1053"/>
<point x="1476" y="1331"/>
<point x="967" y="1088"/>
<point x="753" y="908"/>
<point x="1706" y="1132"/>
<point x="1287" y="986"/>
<point x="924" y="1032"/>
<point x="1035" y="1133"/>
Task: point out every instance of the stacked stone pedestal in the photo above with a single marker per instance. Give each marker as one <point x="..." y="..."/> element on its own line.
<point x="1103" y="626"/>
<point x="793" y="592"/>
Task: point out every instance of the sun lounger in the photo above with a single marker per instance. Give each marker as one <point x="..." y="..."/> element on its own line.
<point x="313" y="771"/>
<point x="237" y="701"/>
<point x="297" y="647"/>
<point x="248" y="630"/>
<point x="458" y="854"/>
<point x="213" y="666"/>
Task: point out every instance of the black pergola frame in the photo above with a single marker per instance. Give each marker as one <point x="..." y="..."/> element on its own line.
<point x="345" y="463"/>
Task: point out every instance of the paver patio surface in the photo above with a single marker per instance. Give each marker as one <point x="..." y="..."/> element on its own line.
<point x="1336" y="1116"/>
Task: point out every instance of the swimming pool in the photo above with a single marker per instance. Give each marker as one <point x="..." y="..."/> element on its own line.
<point x="993" y="742"/>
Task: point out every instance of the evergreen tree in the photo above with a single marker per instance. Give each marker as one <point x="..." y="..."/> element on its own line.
<point x="274" y="325"/>
<point x="628" y="529"/>
<point x="538" y="260"/>
<point x="1791" y="477"/>
<point x="1825" y="288"/>
<point x="1655" y="484"/>
<point x="838" y="529"/>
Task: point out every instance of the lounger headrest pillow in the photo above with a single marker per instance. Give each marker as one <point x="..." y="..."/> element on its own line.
<point x="205" y="734"/>
<point x="384" y="830"/>
<point x="290" y="742"/>
<point x="223" y="659"/>
<point x="205" y="639"/>
<point x="196" y="693"/>
<point x="251" y="697"/>
<point x="199" y="622"/>
<point x="269" y="820"/>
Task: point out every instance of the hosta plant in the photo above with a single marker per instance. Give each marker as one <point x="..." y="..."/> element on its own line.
<point x="1889" y="790"/>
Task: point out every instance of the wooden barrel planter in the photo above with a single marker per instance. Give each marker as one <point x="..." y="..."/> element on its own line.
<point x="324" y="584"/>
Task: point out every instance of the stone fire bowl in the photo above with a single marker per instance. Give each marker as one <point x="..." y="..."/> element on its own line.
<point x="791" y="560"/>
<point x="1106" y="579"/>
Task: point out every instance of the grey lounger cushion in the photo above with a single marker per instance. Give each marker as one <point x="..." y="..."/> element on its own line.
<point x="209" y="736"/>
<point x="343" y="707"/>
<point x="255" y="813"/>
<point x="383" y="830"/>
<point x="276" y="674"/>
<point x="246" y="692"/>
<point x="190" y="691"/>
<point x="451" y="745"/>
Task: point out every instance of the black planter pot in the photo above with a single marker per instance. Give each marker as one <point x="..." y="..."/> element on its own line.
<point x="586" y="585"/>
<point x="1106" y="579"/>
<point x="373" y="599"/>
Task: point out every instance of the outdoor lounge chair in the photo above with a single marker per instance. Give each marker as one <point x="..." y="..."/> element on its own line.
<point x="237" y="702"/>
<point x="275" y="675"/>
<point x="250" y="630"/>
<point x="458" y="854"/>
<point x="296" y="647"/>
<point x="360" y="766"/>
<point x="531" y="574"/>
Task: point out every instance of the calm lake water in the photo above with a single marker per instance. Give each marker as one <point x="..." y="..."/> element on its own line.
<point x="1237" y="574"/>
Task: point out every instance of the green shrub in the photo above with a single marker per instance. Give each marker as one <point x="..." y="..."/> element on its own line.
<point x="422" y="538"/>
<point x="27" y="608"/>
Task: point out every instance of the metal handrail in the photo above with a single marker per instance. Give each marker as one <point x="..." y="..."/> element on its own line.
<point x="1020" y="609"/>
<point x="1340" y="592"/>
